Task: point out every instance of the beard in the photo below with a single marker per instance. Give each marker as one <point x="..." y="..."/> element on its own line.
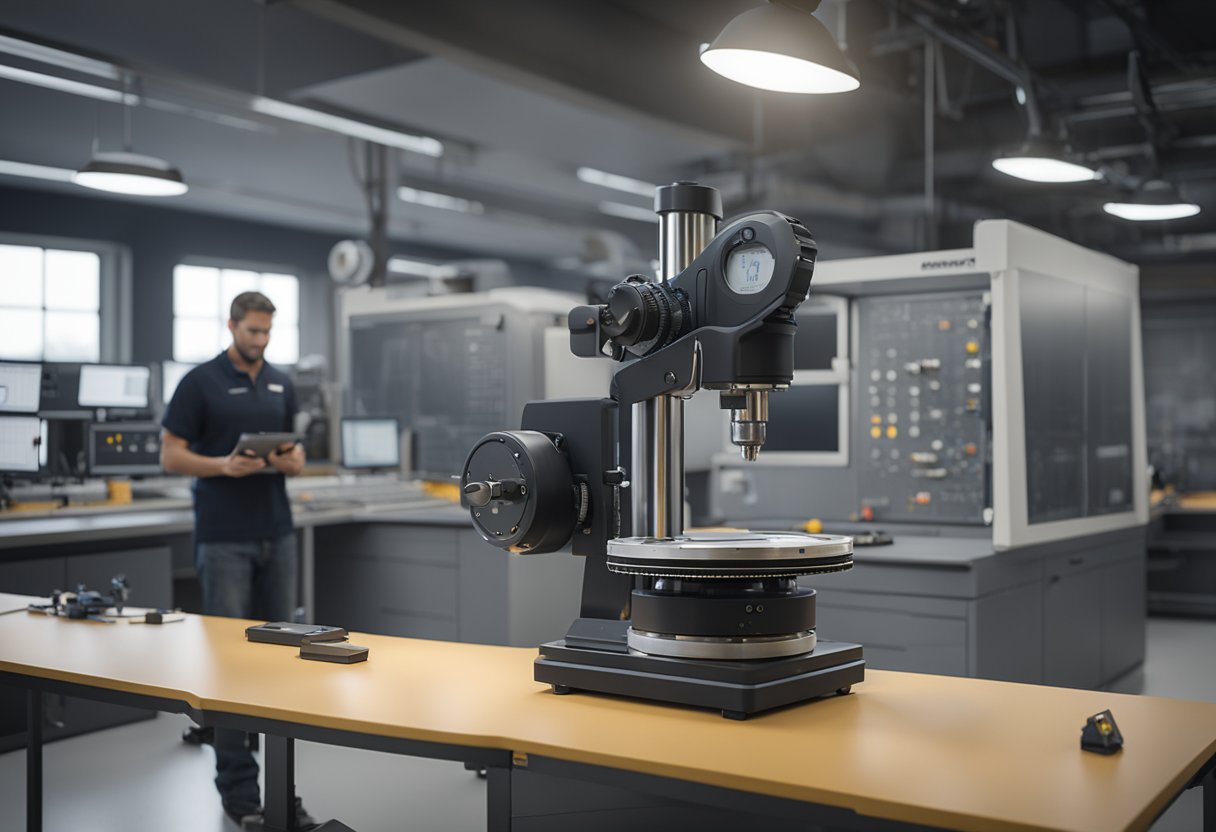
<point x="251" y="356"/>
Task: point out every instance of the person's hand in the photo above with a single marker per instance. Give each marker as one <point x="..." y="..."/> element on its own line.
<point x="241" y="465"/>
<point x="288" y="458"/>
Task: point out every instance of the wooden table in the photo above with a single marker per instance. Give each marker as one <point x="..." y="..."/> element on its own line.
<point x="915" y="749"/>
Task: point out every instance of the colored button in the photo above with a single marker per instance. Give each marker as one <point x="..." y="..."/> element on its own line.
<point x="892" y="431"/>
<point x="813" y="526"/>
<point x="867" y="513"/>
<point x="973" y="347"/>
<point x="876" y="432"/>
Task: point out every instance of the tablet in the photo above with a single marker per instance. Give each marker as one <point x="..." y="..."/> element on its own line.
<point x="261" y="444"/>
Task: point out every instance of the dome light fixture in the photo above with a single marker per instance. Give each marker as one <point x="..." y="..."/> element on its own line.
<point x="131" y="173"/>
<point x="1155" y="200"/>
<point x="1040" y="160"/>
<point x="781" y="47"/>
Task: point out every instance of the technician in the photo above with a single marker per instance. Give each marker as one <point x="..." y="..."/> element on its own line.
<point x="245" y="547"/>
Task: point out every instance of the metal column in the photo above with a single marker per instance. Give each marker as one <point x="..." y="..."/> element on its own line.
<point x="33" y="761"/>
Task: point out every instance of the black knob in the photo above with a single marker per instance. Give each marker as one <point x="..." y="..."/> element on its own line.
<point x="633" y="314"/>
<point x="477" y="494"/>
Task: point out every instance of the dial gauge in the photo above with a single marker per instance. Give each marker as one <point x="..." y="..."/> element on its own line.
<point x="749" y="268"/>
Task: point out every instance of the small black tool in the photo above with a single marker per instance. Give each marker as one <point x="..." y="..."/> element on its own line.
<point x="289" y="632"/>
<point x="342" y="652"/>
<point x="1101" y="735"/>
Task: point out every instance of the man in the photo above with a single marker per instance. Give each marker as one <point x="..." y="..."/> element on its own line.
<point x="245" y="546"/>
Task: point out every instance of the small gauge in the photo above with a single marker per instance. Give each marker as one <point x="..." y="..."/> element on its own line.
<point x="749" y="268"/>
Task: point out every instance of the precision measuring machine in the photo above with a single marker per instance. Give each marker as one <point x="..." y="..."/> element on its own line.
<point x="713" y="619"/>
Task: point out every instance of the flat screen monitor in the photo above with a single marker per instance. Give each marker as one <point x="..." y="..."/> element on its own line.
<point x="371" y="443"/>
<point x="805" y="418"/>
<point x="171" y="375"/>
<point x="124" y="448"/>
<point x="21" y="442"/>
<point x="106" y="385"/>
<point x="20" y="387"/>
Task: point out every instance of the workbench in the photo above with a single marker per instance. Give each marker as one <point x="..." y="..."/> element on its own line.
<point x="902" y="749"/>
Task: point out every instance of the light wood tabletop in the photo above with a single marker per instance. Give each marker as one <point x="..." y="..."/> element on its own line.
<point x="957" y="753"/>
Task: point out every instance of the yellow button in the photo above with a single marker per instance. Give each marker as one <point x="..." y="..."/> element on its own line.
<point x="813" y="526"/>
<point x="892" y="432"/>
<point x="876" y="432"/>
<point x="875" y="419"/>
<point x="973" y="347"/>
<point x="109" y="440"/>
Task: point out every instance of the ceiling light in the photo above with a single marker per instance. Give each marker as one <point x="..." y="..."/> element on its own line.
<point x="348" y="126"/>
<point x="8" y="168"/>
<point x="615" y="181"/>
<point x="54" y="82"/>
<point x="1155" y="200"/>
<point x="131" y="173"/>
<point x="1041" y="160"/>
<point x="628" y="212"/>
<point x="432" y="199"/>
<point x="781" y="47"/>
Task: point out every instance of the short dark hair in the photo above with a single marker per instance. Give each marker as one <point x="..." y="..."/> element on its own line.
<point x="247" y="302"/>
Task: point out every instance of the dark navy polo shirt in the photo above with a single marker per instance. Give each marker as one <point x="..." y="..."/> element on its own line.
<point x="213" y="405"/>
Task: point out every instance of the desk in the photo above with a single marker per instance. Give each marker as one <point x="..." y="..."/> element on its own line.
<point x="937" y="751"/>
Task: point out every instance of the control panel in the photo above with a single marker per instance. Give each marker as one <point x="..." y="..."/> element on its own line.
<point x="124" y="448"/>
<point x="923" y="408"/>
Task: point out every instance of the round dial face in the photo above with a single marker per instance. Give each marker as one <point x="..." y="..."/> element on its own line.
<point x="749" y="269"/>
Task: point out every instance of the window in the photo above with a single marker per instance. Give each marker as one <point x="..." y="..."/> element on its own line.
<point x="50" y="304"/>
<point x="202" y="296"/>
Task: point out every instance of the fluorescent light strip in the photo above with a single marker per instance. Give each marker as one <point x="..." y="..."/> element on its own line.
<point x="8" y="168"/>
<point x="57" y="57"/>
<point x="628" y="212"/>
<point x="424" y="145"/>
<point x="435" y="200"/>
<point x="400" y="265"/>
<point x="618" y="183"/>
<point x="53" y="82"/>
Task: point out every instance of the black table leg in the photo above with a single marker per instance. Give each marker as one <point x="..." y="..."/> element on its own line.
<point x="280" y="799"/>
<point x="33" y="762"/>
<point x="1209" y="802"/>
<point x="498" y="799"/>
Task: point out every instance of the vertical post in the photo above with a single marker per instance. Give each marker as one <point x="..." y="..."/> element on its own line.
<point x="308" y="569"/>
<point x="280" y="803"/>
<point x="33" y="761"/>
<point x="688" y="219"/>
<point x="930" y="143"/>
<point x="1209" y="802"/>
<point x="498" y="799"/>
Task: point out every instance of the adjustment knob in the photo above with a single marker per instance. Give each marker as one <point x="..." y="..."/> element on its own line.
<point x="477" y="494"/>
<point x="520" y="491"/>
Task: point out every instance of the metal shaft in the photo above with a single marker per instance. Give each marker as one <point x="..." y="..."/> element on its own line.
<point x="682" y="236"/>
<point x="658" y="424"/>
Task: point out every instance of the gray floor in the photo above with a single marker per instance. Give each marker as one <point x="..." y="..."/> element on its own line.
<point x="141" y="777"/>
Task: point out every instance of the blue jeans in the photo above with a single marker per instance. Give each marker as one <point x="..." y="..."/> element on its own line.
<point x="248" y="579"/>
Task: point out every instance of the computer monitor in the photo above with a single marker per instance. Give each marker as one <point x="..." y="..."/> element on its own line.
<point x="108" y="385"/>
<point x="171" y="375"/>
<point x="20" y="387"/>
<point x="21" y="442"/>
<point x="805" y="418"/>
<point x="371" y="443"/>
<point x="124" y="449"/>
